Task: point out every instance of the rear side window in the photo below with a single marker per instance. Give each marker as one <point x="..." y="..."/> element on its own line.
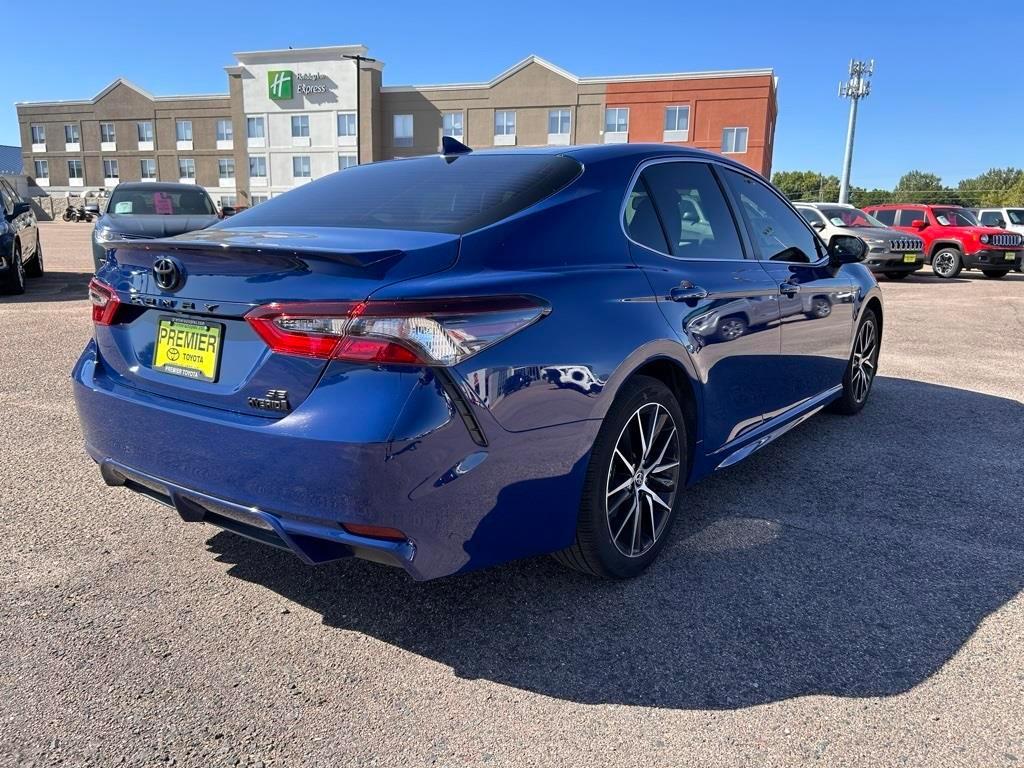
<point x="887" y="217"/>
<point x="429" y="194"/>
<point x="778" y="233"/>
<point x="694" y="217"/>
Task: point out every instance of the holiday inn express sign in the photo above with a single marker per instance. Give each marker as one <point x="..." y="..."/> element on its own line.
<point x="283" y="84"/>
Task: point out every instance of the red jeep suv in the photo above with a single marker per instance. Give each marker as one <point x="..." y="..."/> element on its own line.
<point x="953" y="238"/>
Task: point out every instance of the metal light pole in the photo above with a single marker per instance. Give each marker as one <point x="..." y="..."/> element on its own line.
<point x="854" y="89"/>
<point x="359" y="103"/>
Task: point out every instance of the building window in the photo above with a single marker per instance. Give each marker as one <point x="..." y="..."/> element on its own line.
<point x="677" y="123"/>
<point x="228" y="201"/>
<point x="183" y="130"/>
<point x="226" y="167"/>
<point x="225" y="132"/>
<point x="346" y="123"/>
<point x="300" y="126"/>
<point x="75" y="169"/>
<point x="403" y="130"/>
<point x="452" y="125"/>
<point x="300" y="167"/>
<point x="145" y="129"/>
<point x="255" y="127"/>
<point x="346" y="161"/>
<point x="257" y="199"/>
<point x="616" y="120"/>
<point x="71" y="135"/>
<point x="258" y="167"/>
<point x="38" y="134"/>
<point x="559" y="123"/>
<point x="147" y="169"/>
<point x="504" y="123"/>
<point x="107" y="134"/>
<point x="186" y="168"/>
<point x="734" y="140"/>
<point x="42" y="168"/>
<point x="110" y="169"/>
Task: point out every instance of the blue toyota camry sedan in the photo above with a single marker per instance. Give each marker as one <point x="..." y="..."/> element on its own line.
<point x="448" y="362"/>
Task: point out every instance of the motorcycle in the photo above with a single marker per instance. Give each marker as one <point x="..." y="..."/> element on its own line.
<point x="76" y="213"/>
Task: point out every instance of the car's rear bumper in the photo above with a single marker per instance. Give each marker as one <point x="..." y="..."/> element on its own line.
<point x="993" y="259"/>
<point x="296" y="481"/>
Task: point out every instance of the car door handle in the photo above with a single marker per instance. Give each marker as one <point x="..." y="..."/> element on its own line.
<point x="687" y="291"/>
<point x="789" y="289"/>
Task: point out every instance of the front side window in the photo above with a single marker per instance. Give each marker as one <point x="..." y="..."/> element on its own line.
<point x="777" y="232"/>
<point x="107" y="134"/>
<point x="616" y="120"/>
<point x="183" y="130"/>
<point x="504" y="123"/>
<point x="684" y="201"/>
<point x="226" y="167"/>
<point x="300" y="167"/>
<point x="71" y="134"/>
<point x="346" y="123"/>
<point x="38" y="134"/>
<point x="145" y="129"/>
<point x="75" y="169"/>
<point x="258" y="167"/>
<point x="147" y="168"/>
<point x="403" y="130"/>
<point x="887" y="217"/>
<point x="1016" y="215"/>
<point x="110" y="169"/>
<point x="734" y="141"/>
<point x="255" y="127"/>
<point x="346" y="161"/>
<point x="559" y="121"/>
<point x="907" y="216"/>
<point x="42" y="169"/>
<point x="225" y="132"/>
<point x="300" y="126"/>
<point x="677" y="119"/>
<point x="186" y="168"/>
<point x="811" y="216"/>
<point x="452" y="125"/>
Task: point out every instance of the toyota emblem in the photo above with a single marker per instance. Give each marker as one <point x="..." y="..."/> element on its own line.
<point x="167" y="274"/>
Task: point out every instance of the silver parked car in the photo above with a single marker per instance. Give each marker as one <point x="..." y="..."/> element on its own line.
<point x="892" y="253"/>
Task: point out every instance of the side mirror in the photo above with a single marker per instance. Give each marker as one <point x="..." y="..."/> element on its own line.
<point x="93" y="208"/>
<point x="847" y="249"/>
<point x="1001" y="224"/>
<point x="919" y="223"/>
<point x="818" y="225"/>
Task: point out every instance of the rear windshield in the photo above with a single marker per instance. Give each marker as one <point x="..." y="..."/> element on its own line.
<point x="429" y="194"/>
<point x="149" y="202"/>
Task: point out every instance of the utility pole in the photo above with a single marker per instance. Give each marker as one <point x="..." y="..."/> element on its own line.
<point x="854" y="89"/>
<point x="359" y="103"/>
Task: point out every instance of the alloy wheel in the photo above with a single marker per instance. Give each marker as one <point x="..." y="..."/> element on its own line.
<point x="643" y="480"/>
<point x="864" y="361"/>
<point x="944" y="264"/>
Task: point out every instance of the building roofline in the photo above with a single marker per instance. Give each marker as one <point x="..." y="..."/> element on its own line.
<point x="129" y="84"/>
<point x="534" y="59"/>
<point x="253" y="57"/>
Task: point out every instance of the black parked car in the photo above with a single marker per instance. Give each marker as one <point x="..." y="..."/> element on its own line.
<point x="21" y="254"/>
<point x="146" y="210"/>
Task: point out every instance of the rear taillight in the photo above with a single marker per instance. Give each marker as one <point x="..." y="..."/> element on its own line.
<point x="421" y="332"/>
<point x="104" y="302"/>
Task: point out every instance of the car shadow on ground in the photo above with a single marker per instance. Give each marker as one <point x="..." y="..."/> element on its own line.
<point x="52" y="286"/>
<point x="853" y="557"/>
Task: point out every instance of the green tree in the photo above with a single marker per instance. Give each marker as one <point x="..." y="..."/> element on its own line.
<point x="992" y="188"/>
<point x="809" y="186"/>
<point x="861" y="197"/>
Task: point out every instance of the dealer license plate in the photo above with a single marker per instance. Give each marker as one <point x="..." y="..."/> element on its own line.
<point x="1011" y="256"/>
<point x="909" y="258"/>
<point x="188" y="347"/>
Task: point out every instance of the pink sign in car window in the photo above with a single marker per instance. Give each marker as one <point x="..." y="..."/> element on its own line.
<point x="162" y="203"/>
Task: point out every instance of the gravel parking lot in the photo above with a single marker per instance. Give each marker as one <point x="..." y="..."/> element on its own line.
<point x="851" y="595"/>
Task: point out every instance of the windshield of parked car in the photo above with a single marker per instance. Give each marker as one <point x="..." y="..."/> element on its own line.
<point x="1016" y="215"/>
<point x="954" y="217"/>
<point x="429" y="194"/>
<point x="161" y="202"/>
<point x="850" y="217"/>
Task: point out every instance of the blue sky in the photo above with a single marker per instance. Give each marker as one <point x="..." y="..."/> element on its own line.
<point x="948" y="97"/>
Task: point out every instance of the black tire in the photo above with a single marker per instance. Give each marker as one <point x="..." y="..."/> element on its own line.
<point x="853" y="400"/>
<point x="35" y="267"/>
<point x="66" y="216"/>
<point x="16" y="273"/>
<point x="595" y="551"/>
<point x="731" y="327"/>
<point x="947" y="262"/>
<point x="995" y="274"/>
<point x="896" y="275"/>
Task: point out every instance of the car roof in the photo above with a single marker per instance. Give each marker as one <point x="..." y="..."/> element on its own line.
<point x="915" y="205"/>
<point x="164" y="185"/>
<point x="820" y="205"/>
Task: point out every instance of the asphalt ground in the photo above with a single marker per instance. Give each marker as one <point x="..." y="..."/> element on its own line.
<point x="851" y="595"/>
